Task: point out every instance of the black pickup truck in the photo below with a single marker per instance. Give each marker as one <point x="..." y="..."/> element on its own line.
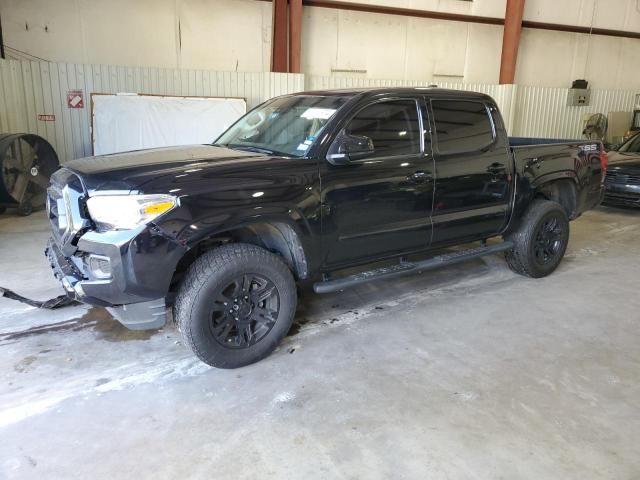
<point x="298" y="190"/>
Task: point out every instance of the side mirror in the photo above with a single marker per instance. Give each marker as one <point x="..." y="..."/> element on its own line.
<point x="347" y="148"/>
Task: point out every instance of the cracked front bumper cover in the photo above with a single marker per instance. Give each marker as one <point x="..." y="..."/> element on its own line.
<point x="63" y="269"/>
<point x="138" y="313"/>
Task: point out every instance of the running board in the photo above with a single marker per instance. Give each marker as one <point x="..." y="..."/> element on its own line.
<point x="404" y="268"/>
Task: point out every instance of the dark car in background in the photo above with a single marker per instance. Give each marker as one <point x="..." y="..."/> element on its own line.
<point x="622" y="182"/>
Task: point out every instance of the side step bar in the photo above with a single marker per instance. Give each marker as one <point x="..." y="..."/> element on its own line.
<point x="404" y="268"/>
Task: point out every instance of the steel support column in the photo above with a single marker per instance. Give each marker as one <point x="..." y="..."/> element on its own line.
<point x="279" y="50"/>
<point x="295" y="35"/>
<point x="511" y="40"/>
<point x="1" y="41"/>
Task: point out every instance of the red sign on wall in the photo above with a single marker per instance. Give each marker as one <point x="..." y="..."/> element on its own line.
<point x="47" y="117"/>
<point x="75" y="99"/>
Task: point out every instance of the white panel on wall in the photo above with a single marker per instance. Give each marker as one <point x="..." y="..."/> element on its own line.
<point x="613" y="14"/>
<point x="28" y="89"/>
<point x="393" y="46"/>
<point x="225" y="35"/>
<point x="132" y="122"/>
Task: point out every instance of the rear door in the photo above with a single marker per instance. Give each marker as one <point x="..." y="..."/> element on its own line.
<point x="473" y="170"/>
<point x="380" y="205"/>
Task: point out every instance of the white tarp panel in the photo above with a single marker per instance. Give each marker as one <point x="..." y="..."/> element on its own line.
<point x="130" y="122"/>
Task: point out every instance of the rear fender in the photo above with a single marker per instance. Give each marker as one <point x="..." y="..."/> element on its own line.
<point x="560" y="187"/>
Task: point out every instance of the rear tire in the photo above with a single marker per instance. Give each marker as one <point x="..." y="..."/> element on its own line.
<point x="235" y="304"/>
<point x="541" y="240"/>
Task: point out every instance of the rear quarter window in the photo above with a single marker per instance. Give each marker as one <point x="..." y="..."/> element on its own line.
<point x="461" y="126"/>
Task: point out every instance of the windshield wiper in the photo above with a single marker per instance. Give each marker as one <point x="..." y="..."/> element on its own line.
<point x="251" y="148"/>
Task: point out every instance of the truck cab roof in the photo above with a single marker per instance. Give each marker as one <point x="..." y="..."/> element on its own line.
<point x="390" y="91"/>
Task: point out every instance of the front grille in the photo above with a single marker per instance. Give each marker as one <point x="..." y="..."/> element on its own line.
<point x="622" y="178"/>
<point x="65" y="196"/>
<point x="621" y="199"/>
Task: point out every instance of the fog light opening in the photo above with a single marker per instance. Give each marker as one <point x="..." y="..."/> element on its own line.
<point x="100" y="266"/>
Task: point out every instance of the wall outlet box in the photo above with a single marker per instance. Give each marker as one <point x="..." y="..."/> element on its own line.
<point x="578" y="97"/>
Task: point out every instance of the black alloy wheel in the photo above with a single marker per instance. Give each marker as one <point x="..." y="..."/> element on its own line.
<point x="245" y="311"/>
<point x="539" y="240"/>
<point x="548" y="243"/>
<point x="235" y="304"/>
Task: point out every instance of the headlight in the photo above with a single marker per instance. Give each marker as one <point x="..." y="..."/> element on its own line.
<point x="125" y="212"/>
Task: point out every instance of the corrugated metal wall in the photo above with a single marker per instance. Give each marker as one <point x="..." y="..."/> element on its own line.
<point x="31" y="88"/>
<point x="542" y="112"/>
<point x="527" y="111"/>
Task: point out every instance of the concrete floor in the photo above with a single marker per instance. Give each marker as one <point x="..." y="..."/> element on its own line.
<point x="466" y="373"/>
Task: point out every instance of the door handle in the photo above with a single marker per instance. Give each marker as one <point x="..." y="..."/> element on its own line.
<point x="536" y="162"/>
<point x="497" y="169"/>
<point x="421" y="176"/>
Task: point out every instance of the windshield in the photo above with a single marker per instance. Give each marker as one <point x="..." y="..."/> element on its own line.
<point x="283" y="126"/>
<point x="631" y="145"/>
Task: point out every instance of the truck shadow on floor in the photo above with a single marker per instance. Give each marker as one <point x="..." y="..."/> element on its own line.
<point x="312" y="309"/>
<point x="328" y="308"/>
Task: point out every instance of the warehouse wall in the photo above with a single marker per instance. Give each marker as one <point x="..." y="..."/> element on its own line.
<point x="235" y="35"/>
<point x="384" y="46"/>
<point x="407" y="48"/>
<point x="538" y="112"/>
<point x="28" y="89"/>
<point x="607" y="62"/>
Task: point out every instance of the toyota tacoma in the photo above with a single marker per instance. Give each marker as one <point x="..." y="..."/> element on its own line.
<point x="299" y="190"/>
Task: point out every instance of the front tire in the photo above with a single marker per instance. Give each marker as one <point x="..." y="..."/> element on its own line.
<point x="235" y="305"/>
<point x="541" y="240"/>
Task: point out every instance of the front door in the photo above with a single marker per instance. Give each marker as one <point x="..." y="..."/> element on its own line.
<point x="379" y="205"/>
<point x="473" y="170"/>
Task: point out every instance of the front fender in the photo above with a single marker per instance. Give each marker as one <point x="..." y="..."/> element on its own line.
<point x="298" y="228"/>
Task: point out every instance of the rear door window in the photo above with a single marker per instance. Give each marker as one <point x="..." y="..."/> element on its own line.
<point x="461" y="126"/>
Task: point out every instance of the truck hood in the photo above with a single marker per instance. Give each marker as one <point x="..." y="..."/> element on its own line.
<point x="624" y="160"/>
<point x="131" y="170"/>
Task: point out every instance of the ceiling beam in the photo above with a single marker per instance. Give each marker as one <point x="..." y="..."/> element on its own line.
<point x="576" y="29"/>
<point x="456" y="17"/>
<point x="405" y="12"/>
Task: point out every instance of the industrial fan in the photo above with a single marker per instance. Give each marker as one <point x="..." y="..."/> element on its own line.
<point x="26" y="163"/>
<point x="596" y="127"/>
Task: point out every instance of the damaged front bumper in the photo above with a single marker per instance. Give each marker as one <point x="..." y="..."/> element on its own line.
<point x="140" y="266"/>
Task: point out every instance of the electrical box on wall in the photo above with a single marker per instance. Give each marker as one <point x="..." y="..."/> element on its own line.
<point x="578" y="97"/>
<point x="579" y="94"/>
